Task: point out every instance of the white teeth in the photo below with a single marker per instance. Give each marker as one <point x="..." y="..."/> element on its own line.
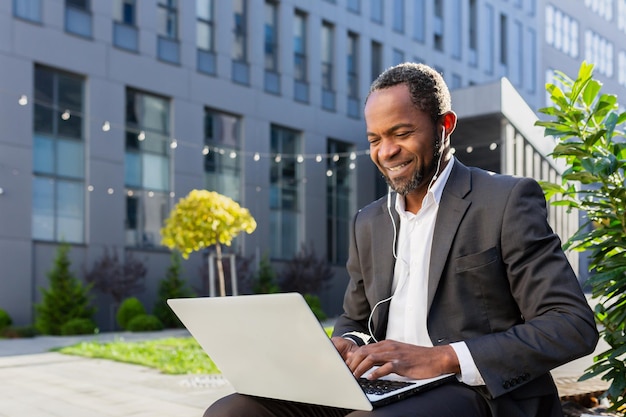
<point x="398" y="167"/>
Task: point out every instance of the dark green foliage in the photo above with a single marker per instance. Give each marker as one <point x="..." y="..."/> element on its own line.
<point x="265" y="282"/>
<point x="144" y="323"/>
<point x="173" y="286"/>
<point x="78" y="326"/>
<point x="129" y="309"/>
<point x="591" y="142"/>
<point x="5" y="319"/>
<point x="65" y="298"/>
<point x="18" y="332"/>
<point x="316" y="306"/>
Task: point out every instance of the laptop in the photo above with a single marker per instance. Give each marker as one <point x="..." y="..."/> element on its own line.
<point x="273" y="346"/>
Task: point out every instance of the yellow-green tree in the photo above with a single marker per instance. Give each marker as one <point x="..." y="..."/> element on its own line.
<point x="202" y="219"/>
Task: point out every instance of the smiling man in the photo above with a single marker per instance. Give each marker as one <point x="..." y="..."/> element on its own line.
<point x="456" y="271"/>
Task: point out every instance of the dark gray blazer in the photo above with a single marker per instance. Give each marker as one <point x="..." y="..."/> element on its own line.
<point x="498" y="281"/>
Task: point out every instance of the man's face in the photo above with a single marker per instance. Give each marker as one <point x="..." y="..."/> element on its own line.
<point x="402" y="140"/>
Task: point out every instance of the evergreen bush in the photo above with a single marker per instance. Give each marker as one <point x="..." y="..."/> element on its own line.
<point x="316" y="306"/>
<point x="129" y="309"/>
<point x="173" y="286"/>
<point x="78" y="326"/>
<point x="65" y="298"/>
<point x="144" y="323"/>
<point x="5" y="319"/>
<point x="265" y="282"/>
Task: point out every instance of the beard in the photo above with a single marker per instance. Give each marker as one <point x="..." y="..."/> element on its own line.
<point x="404" y="186"/>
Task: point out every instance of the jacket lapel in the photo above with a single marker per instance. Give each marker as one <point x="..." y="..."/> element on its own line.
<point x="452" y="208"/>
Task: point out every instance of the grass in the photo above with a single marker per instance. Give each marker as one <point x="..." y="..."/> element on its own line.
<point x="173" y="356"/>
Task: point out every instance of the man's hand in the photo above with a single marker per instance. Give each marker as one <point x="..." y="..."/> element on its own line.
<point x="404" y="359"/>
<point x="344" y="346"/>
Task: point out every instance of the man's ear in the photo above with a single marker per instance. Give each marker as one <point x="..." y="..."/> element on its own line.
<point x="448" y="121"/>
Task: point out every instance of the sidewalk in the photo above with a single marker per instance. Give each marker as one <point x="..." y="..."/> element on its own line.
<point x="40" y="383"/>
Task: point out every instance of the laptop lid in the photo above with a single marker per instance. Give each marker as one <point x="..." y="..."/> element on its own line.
<point x="273" y="346"/>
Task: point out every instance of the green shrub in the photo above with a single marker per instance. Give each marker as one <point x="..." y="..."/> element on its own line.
<point x="130" y="308"/>
<point x="11" y="332"/>
<point x="5" y="319"/>
<point x="65" y="298"/>
<point x="144" y="323"/>
<point x="78" y="326"/>
<point x="173" y="286"/>
<point x="316" y="306"/>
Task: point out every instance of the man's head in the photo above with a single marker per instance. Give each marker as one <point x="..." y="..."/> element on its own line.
<point x="408" y="118"/>
<point x="429" y="92"/>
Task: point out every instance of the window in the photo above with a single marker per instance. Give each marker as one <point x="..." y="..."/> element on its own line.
<point x="473" y="32"/>
<point x="419" y="16"/>
<point x="352" y="65"/>
<point x="603" y="8"/>
<point x="457" y="82"/>
<point x="398" y="57"/>
<point x="561" y="31"/>
<point x="328" y="52"/>
<point x="168" y="48"/>
<point x="354" y="6"/>
<point x="27" y="10"/>
<point x="240" y="71"/>
<point x="455" y="29"/>
<point x="517" y="59"/>
<point x="376" y="11"/>
<point x="621" y="68"/>
<point x="530" y="70"/>
<point x="78" y="17"/>
<point x="621" y="15"/>
<point x="147" y="167"/>
<point x="285" y="176"/>
<point x="222" y="161"/>
<point x="490" y="35"/>
<point x="504" y="39"/>
<point x="272" y="79"/>
<point x="398" y="16"/>
<point x="339" y="174"/>
<point x="599" y="51"/>
<point x="58" y="157"/>
<point x="301" y="88"/>
<point x="125" y="33"/>
<point x="377" y="59"/>
<point x="205" y="36"/>
<point x="438" y="26"/>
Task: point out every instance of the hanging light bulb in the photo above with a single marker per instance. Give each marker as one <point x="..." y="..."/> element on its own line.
<point x="173" y="144"/>
<point x="205" y="150"/>
<point x="469" y="149"/>
<point x="278" y="158"/>
<point x="329" y="173"/>
<point x="256" y="156"/>
<point x="23" y="100"/>
<point x="352" y="165"/>
<point x="141" y="136"/>
<point x="233" y="155"/>
<point x="352" y="156"/>
<point x="65" y="115"/>
<point x="300" y="159"/>
<point x="318" y="158"/>
<point x="493" y="146"/>
<point x="106" y="126"/>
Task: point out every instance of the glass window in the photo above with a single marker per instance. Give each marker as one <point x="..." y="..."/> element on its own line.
<point x="168" y="19"/>
<point x="285" y="177"/>
<point x="58" y="157"/>
<point x="561" y="31"/>
<point x="490" y="35"/>
<point x="376" y="11"/>
<point x="504" y="39"/>
<point x="354" y="6"/>
<point x="353" y="65"/>
<point x="398" y="16"/>
<point x="240" y="52"/>
<point x="222" y="161"/>
<point x="398" y="57"/>
<point x="147" y="167"/>
<point x="339" y="177"/>
<point x="327" y="56"/>
<point x="204" y="25"/>
<point x="419" y="17"/>
<point x="377" y="59"/>
<point x="299" y="47"/>
<point x="599" y="51"/>
<point x="621" y="15"/>
<point x="78" y="17"/>
<point x="125" y="11"/>
<point x="27" y="9"/>
<point x="271" y="36"/>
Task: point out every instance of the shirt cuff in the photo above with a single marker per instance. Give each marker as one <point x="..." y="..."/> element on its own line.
<point x="470" y="374"/>
<point x="359" y="338"/>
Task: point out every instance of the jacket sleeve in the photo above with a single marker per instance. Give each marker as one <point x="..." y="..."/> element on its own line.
<point x="557" y="325"/>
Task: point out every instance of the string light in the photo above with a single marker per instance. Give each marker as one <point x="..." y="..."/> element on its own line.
<point x="256" y="156"/>
<point x="23" y="100"/>
<point x="493" y="146"/>
<point x="173" y="144"/>
<point x="318" y="158"/>
<point x="141" y="136"/>
<point x="278" y="158"/>
<point x="300" y="159"/>
<point x="66" y="115"/>
<point x="106" y="126"/>
<point x="205" y="150"/>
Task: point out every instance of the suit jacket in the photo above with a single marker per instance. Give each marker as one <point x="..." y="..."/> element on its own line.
<point x="498" y="280"/>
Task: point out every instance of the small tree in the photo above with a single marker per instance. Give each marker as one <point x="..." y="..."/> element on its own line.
<point x="120" y="279"/>
<point x="65" y="299"/>
<point x="586" y="125"/>
<point x="265" y="278"/>
<point x="202" y="219"/>
<point x="305" y="272"/>
<point x="173" y="286"/>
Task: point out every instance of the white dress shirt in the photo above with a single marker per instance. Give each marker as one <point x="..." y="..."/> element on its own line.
<point x="408" y="307"/>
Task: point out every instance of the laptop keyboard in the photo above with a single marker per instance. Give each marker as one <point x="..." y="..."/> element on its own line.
<point x="380" y="386"/>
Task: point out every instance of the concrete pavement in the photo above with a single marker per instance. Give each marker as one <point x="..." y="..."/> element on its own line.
<point x="36" y="382"/>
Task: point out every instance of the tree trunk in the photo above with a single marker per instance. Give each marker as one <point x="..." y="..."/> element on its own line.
<point x="220" y="269"/>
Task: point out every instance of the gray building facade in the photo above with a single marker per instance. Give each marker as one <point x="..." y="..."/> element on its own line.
<point x="112" y="110"/>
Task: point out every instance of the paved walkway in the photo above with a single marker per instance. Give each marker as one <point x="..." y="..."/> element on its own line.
<point x="36" y="382"/>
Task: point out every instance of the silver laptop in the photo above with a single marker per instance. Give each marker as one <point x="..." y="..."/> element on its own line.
<point x="273" y="346"/>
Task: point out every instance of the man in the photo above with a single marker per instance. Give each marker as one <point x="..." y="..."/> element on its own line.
<point x="456" y="271"/>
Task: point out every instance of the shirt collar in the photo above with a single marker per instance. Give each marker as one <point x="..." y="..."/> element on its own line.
<point x="436" y="190"/>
